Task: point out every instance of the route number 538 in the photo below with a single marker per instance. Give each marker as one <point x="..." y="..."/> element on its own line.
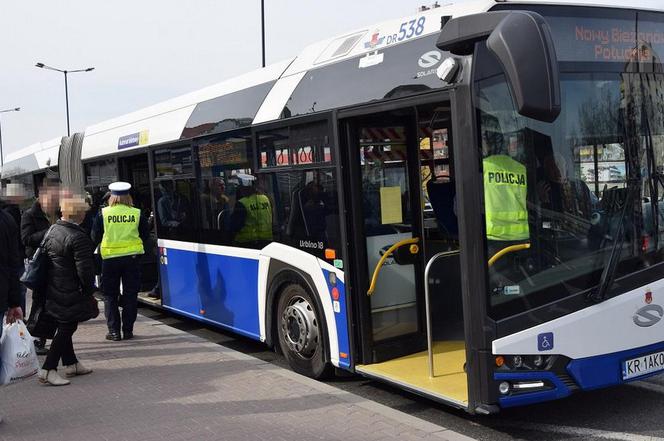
<point x="411" y="28"/>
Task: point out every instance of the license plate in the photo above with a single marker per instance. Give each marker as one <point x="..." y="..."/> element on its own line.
<point x="645" y="364"/>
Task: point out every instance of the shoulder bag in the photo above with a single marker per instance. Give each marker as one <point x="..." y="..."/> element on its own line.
<point x="36" y="272"/>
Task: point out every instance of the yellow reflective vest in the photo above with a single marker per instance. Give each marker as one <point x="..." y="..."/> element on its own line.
<point x="121" y="236"/>
<point x="258" y="221"/>
<point x="505" y="192"/>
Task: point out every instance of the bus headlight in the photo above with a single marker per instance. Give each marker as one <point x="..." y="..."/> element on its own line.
<point x="538" y="361"/>
<point x="504" y="388"/>
<point x="525" y="362"/>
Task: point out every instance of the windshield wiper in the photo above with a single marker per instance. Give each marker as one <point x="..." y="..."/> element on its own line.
<point x="609" y="272"/>
<point x="655" y="178"/>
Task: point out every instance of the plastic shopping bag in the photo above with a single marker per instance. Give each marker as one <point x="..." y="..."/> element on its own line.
<point x="17" y="352"/>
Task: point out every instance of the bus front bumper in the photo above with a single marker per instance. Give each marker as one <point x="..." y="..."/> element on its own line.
<point x="581" y="374"/>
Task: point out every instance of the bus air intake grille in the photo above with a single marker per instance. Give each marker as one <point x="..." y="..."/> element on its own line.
<point x="568" y="381"/>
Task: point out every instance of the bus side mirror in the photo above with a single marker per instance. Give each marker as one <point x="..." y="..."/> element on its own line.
<point x="523" y="45"/>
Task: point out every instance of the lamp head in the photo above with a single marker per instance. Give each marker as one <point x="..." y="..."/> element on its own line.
<point x="39" y="65"/>
<point x="89" y="69"/>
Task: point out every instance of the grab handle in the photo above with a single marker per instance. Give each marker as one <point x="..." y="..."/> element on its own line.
<point x="507" y="250"/>
<point x="385" y="255"/>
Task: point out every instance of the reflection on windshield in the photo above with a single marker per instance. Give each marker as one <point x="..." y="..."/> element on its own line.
<point x="603" y="156"/>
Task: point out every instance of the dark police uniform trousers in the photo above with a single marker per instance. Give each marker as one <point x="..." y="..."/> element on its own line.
<point x="125" y="269"/>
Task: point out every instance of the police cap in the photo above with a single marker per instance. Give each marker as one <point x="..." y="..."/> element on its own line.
<point x="119" y="188"/>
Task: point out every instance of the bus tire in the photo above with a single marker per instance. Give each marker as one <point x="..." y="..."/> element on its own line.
<point x="301" y="333"/>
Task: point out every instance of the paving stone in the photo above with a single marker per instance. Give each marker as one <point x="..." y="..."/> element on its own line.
<point x="166" y="384"/>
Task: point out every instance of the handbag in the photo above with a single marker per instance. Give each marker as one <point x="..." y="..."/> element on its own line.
<point x="40" y="323"/>
<point x="95" y="307"/>
<point x="36" y="272"/>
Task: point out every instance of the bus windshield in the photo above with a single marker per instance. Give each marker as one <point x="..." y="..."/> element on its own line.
<point x="593" y="180"/>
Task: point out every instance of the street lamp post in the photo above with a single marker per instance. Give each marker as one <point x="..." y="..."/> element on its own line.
<point x="263" y="29"/>
<point x="2" y="157"/>
<point x="64" y="71"/>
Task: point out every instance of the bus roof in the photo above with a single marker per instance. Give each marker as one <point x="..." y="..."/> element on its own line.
<point x="34" y="157"/>
<point x="177" y="118"/>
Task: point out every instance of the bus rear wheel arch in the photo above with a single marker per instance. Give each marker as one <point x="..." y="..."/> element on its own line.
<point x="300" y="332"/>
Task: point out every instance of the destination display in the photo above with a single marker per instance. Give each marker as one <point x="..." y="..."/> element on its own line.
<point x="584" y="34"/>
<point x="607" y="39"/>
<point x="228" y="152"/>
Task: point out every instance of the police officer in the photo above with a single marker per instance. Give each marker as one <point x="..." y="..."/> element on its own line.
<point x="505" y="194"/>
<point x="252" y="217"/>
<point x="123" y="234"/>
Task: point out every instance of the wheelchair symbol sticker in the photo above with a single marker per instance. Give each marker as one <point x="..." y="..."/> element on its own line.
<point x="545" y="341"/>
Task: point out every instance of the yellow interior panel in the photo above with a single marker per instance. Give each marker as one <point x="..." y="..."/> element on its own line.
<point x="412" y="371"/>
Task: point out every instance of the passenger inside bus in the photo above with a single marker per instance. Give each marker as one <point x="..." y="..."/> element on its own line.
<point x="172" y="208"/>
<point x="251" y="221"/>
<point x="309" y="212"/>
<point x="214" y="204"/>
<point x="505" y="194"/>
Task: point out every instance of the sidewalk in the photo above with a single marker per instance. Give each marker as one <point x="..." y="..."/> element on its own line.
<point x="169" y="385"/>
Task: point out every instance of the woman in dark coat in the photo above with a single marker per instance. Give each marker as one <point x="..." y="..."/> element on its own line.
<point x="35" y="222"/>
<point x="70" y="287"/>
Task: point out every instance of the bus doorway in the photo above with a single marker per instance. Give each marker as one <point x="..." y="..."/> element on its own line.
<point x="404" y="224"/>
<point x="135" y="170"/>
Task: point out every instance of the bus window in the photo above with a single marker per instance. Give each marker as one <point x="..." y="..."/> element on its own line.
<point x="303" y="144"/>
<point x="223" y="162"/>
<point x="305" y="209"/>
<point x="174" y="161"/>
<point x="437" y="176"/>
<point x="587" y="185"/>
<point x="174" y="191"/>
<point x="174" y="214"/>
<point x="298" y="178"/>
<point x="101" y="173"/>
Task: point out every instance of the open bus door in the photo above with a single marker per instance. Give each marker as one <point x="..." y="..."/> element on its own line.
<point x="135" y="170"/>
<point x="402" y="194"/>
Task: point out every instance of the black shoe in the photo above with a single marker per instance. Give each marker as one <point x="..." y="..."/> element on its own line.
<point x="154" y="295"/>
<point x="114" y="336"/>
<point x="127" y="335"/>
<point x="41" y="350"/>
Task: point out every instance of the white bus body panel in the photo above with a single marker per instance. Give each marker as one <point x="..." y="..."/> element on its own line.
<point x="165" y="121"/>
<point x="309" y="265"/>
<point x="277" y="98"/>
<point x="604" y="328"/>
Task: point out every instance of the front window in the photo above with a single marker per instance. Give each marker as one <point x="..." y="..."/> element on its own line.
<point x="591" y="181"/>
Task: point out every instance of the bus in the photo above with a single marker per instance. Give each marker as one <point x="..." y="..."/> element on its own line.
<point x="369" y="151"/>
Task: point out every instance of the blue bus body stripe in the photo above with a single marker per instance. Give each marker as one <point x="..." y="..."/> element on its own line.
<point x="341" y="320"/>
<point x="212" y="322"/>
<point x="215" y="288"/>
<point x="606" y="370"/>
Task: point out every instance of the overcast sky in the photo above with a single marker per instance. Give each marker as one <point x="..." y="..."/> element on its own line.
<point x="146" y="51"/>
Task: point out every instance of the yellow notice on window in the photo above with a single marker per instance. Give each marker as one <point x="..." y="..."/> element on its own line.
<point x="390" y="205"/>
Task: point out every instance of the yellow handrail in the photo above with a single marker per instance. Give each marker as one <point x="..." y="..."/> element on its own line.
<point x="507" y="250"/>
<point x="385" y="255"/>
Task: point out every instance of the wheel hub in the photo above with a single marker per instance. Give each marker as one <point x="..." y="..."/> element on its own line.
<point x="300" y="327"/>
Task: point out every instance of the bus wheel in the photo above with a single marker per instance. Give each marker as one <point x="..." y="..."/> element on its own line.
<point x="300" y="332"/>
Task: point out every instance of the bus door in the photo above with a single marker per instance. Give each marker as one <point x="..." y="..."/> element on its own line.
<point x="399" y="168"/>
<point x="135" y="170"/>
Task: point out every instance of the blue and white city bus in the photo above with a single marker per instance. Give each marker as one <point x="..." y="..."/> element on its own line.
<point x="368" y="149"/>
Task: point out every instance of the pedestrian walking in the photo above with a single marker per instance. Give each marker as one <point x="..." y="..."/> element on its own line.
<point x="10" y="258"/>
<point x="124" y="234"/>
<point x="35" y="222"/>
<point x="69" y="293"/>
